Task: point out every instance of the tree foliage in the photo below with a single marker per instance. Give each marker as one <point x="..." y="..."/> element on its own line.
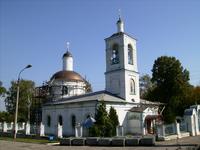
<point x="171" y="86"/>
<point x="2" y="89"/>
<point x="5" y="116"/>
<point x="195" y="96"/>
<point x="145" y="85"/>
<point x="114" y="119"/>
<point x="26" y="88"/>
<point x="105" y="124"/>
<point x="170" y="77"/>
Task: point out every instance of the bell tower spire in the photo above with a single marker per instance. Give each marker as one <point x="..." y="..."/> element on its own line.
<point x="122" y="77"/>
<point x="120" y="23"/>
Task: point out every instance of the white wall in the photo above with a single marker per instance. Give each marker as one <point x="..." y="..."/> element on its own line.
<point x="68" y="63"/>
<point x="118" y="75"/>
<point x="79" y="110"/>
<point x="74" y="88"/>
<point x="134" y="120"/>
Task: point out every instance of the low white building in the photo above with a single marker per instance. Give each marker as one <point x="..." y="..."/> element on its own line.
<point x="70" y="104"/>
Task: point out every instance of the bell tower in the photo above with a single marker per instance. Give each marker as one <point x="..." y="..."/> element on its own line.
<point x="122" y="77"/>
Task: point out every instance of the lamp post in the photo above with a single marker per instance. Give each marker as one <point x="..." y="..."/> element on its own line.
<point x="16" y="107"/>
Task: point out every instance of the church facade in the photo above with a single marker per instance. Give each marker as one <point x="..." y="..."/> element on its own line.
<point x="69" y="103"/>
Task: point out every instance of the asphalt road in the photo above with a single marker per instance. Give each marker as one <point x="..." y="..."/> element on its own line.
<point x="184" y="143"/>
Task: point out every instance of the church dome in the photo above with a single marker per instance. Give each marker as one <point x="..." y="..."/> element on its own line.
<point x="67" y="76"/>
<point x="67" y="54"/>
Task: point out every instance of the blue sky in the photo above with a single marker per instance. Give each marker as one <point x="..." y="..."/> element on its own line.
<point x="36" y="32"/>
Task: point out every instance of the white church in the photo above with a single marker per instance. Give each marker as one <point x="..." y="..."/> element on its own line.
<point x="69" y="103"/>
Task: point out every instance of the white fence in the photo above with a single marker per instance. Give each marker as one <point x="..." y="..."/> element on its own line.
<point x="170" y="129"/>
<point x="21" y="127"/>
<point x="176" y="130"/>
<point x="183" y="127"/>
<point x="1" y="126"/>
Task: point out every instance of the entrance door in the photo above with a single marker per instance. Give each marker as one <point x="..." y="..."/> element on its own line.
<point x="149" y="127"/>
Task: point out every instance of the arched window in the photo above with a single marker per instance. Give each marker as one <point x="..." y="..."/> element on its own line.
<point x="132" y="86"/>
<point x="115" y="54"/>
<point x="64" y="90"/>
<point x="48" y="121"/>
<point x="130" y="54"/>
<point x="73" y="119"/>
<point x="60" y="120"/>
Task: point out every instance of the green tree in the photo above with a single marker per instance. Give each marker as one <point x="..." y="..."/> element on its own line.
<point x="5" y="116"/>
<point x="171" y="86"/>
<point x="26" y="92"/>
<point x="103" y="126"/>
<point x="114" y="120"/>
<point x="195" y="96"/>
<point x="145" y="85"/>
<point x="2" y="89"/>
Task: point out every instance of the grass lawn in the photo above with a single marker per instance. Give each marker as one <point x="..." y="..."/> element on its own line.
<point x="28" y="140"/>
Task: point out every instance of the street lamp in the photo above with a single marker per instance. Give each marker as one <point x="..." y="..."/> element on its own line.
<point x="16" y="107"/>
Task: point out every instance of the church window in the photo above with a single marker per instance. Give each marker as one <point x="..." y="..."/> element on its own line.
<point x="132" y="87"/>
<point x="50" y="90"/>
<point x="48" y="121"/>
<point x="64" y="90"/>
<point x="130" y="55"/>
<point x="115" y="54"/>
<point x="60" y="120"/>
<point x="73" y="119"/>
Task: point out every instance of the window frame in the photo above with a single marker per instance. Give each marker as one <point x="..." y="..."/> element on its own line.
<point x="60" y="120"/>
<point x="115" y="58"/>
<point x="48" y="120"/>
<point x="132" y="87"/>
<point x="130" y="54"/>
<point x="65" y="90"/>
<point x="73" y="121"/>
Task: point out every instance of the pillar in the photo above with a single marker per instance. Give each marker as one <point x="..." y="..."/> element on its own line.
<point x="119" y="131"/>
<point x="161" y="130"/>
<point x="78" y="130"/>
<point x="12" y="125"/>
<point x="59" y="131"/>
<point x="41" y="129"/>
<point x="177" y="128"/>
<point x="17" y="127"/>
<point x="5" y="128"/>
<point x="190" y="124"/>
<point x="23" y="125"/>
<point x="27" y="128"/>
<point x="196" y="122"/>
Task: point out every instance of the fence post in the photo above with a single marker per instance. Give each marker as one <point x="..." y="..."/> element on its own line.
<point x="177" y="127"/>
<point x="41" y="129"/>
<point x="59" y="131"/>
<point x="78" y="130"/>
<point x="27" y="129"/>
<point x="196" y="122"/>
<point x="161" y="130"/>
<point x="5" y="128"/>
<point x="23" y="125"/>
<point x="119" y="131"/>
<point x="17" y="127"/>
<point x="12" y="125"/>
